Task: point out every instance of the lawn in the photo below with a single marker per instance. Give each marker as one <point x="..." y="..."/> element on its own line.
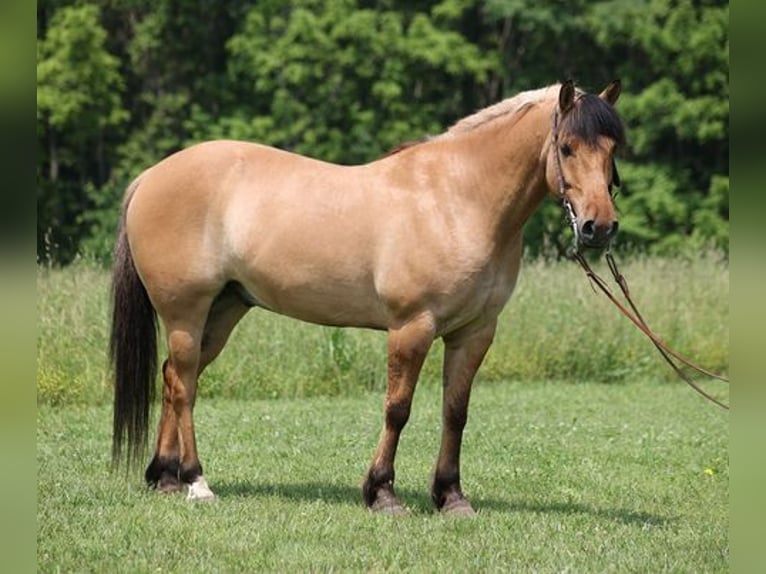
<point x="585" y="477"/>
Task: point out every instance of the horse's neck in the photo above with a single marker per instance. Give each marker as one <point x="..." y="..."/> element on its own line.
<point x="505" y="166"/>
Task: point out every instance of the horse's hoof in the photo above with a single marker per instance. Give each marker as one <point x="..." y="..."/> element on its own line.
<point x="168" y="485"/>
<point x="387" y="503"/>
<point x="199" y="491"/>
<point x="169" y="488"/>
<point x="457" y="507"/>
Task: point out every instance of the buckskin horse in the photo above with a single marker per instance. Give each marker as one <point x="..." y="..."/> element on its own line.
<point x="424" y="243"/>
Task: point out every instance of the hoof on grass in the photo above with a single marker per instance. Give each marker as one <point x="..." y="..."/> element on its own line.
<point x="457" y="507"/>
<point x="169" y="485"/>
<point x="199" y="491"/>
<point x="387" y="503"/>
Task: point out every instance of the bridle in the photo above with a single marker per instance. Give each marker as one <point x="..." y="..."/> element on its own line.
<point x="564" y="185"/>
<point x="633" y="314"/>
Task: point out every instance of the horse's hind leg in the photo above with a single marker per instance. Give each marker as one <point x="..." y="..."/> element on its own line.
<point x="175" y="461"/>
<point x="227" y="309"/>
<point x="173" y="465"/>
<point x="163" y="470"/>
<point x="463" y="355"/>
<point x="184" y="349"/>
<point x="407" y="349"/>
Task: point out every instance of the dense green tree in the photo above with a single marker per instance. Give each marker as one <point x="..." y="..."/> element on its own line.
<point x="78" y="103"/>
<point x="673" y="57"/>
<point x="123" y="83"/>
<point x="346" y="84"/>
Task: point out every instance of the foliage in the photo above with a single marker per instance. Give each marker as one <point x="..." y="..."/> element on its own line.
<point x="345" y="84"/>
<point x="78" y="103"/>
<point x="555" y="327"/>
<point x="123" y="83"/>
<point x="674" y="59"/>
<point x="580" y="478"/>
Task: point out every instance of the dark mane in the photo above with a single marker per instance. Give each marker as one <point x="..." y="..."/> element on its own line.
<point x="592" y="117"/>
<point x="589" y="118"/>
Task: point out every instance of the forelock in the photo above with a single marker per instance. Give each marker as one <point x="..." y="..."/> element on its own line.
<point x="590" y="118"/>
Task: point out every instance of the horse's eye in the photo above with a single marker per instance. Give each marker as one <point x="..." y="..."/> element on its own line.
<point x="566" y="150"/>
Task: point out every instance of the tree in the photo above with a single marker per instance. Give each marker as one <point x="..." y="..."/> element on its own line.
<point x="346" y="84"/>
<point x="673" y="57"/>
<point x="123" y="85"/>
<point x="78" y="107"/>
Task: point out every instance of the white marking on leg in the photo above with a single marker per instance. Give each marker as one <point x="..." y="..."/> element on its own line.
<point x="199" y="490"/>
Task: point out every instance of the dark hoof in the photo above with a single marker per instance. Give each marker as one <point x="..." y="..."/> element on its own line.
<point x="387" y="503"/>
<point x="163" y="474"/>
<point x="168" y="484"/>
<point x="457" y="507"/>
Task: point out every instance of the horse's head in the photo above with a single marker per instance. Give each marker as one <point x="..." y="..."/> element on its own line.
<point x="580" y="168"/>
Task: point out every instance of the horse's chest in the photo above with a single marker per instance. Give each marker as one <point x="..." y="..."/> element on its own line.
<point x="495" y="289"/>
<point x="483" y="295"/>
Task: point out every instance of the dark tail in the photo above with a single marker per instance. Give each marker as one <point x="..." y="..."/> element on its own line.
<point x="132" y="351"/>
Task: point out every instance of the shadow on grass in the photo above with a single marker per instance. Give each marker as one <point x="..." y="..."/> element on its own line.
<point x="305" y="491"/>
<point x="623" y="515"/>
<point x="342" y="494"/>
<point x="420" y="503"/>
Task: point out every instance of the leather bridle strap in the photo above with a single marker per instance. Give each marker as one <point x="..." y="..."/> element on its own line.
<point x="564" y="185"/>
<point x="636" y="318"/>
<point x="619" y="278"/>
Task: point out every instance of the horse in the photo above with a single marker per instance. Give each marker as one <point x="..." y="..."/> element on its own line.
<point x="424" y="243"/>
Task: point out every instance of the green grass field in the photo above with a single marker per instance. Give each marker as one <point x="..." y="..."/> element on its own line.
<point x="566" y="477"/>
<point x="605" y="464"/>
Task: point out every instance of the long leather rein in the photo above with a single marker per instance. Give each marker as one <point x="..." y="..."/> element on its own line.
<point x="633" y="313"/>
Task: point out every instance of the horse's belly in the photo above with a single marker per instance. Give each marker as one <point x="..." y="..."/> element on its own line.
<point x="317" y="297"/>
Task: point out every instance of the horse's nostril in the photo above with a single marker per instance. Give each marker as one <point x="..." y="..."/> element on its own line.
<point x="589" y="229"/>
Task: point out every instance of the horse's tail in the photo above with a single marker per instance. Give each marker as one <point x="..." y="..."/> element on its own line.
<point x="132" y="350"/>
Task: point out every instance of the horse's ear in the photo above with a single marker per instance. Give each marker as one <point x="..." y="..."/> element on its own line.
<point x="611" y="92"/>
<point x="566" y="96"/>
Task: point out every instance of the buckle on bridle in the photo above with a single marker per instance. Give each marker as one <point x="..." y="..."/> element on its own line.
<point x="572" y="220"/>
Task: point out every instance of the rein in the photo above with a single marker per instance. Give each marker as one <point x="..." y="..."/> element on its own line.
<point x="633" y="313"/>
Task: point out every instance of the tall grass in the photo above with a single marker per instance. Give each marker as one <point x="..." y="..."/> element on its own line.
<point x="554" y="327"/>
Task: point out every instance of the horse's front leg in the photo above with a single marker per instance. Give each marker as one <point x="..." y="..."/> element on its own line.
<point x="408" y="346"/>
<point x="463" y="354"/>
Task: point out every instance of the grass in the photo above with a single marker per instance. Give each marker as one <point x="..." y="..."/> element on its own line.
<point x="580" y="477"/>
<point x="554" y="327"/>
<point x="609" y="465"/>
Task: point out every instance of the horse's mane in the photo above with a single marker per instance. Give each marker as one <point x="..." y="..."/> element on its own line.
<point x="508" y="107"/>
<point x="591" y="117"/>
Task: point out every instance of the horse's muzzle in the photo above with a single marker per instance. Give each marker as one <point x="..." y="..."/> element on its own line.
<point x="593" y="234"/>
